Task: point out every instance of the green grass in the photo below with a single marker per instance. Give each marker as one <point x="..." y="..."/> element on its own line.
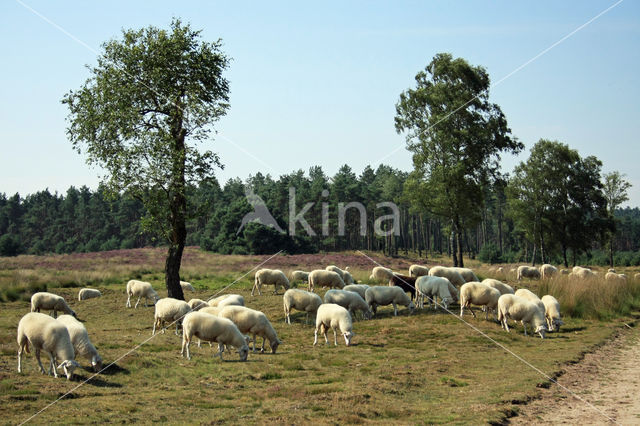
<point x="428" y="367"/>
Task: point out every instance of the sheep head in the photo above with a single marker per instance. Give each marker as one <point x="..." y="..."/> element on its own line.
<point x="68" y="366"/>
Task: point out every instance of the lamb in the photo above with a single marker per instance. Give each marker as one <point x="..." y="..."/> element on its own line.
<point x="434" y="287"/>
<point x="531" y="297"/>
<point x="408" y="284"/>
<point x="527" y="272"/>
<point x="335" y="317"/>
<point x="519" y="309"/>
<point x="51" y="302"/>
<point x="479" y="294"/>
<point x="453" y="276"/>
<point x="197" y="304"/>
<point x="211" y="328"/>
<point x="499" y="285"/>
<point x="140" y="289"/>
<point x="82" y="345"/>
<point x="299" y="276"/>
<point x="186" y="286"/>
<point x="252" y="322"/>
<point x="418" y="270"/>
<point x="88" y="293"/>
<point x="300" y="300"/>
<point x="357" y="288"/>
<point x="547" y="271"/>
<point x="169" y="310"/>
<point x="349" y="300"/>
<point x="270" y="276"/>
<point x="46" y="334"/>
<point x="227" y="300"/>
<point x="380" y="273"/>
<point x="323" y="278"/>
<point x="552" y="312"/>
<point x="466" y="273"/>
<point x="385" y="295"/>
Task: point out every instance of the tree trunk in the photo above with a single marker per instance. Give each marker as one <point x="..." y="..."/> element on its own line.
<point x="564" y="255"/>
<point x="611" y="252"/>
<point x="460" y="248"/>
<point x="172" y="272"/>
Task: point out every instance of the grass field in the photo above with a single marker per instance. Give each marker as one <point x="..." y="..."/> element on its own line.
<point x="428" y="367"/>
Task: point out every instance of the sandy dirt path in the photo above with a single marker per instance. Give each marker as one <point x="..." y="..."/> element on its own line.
<point x="608" y="378"/>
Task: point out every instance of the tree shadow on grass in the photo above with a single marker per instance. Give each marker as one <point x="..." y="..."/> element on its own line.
<point x="112" y="370"/>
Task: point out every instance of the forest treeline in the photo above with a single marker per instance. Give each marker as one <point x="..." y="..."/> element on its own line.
<point x="84" y="220"/>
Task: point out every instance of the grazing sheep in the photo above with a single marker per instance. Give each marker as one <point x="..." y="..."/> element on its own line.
<point x="197" y="304"/>
<point x="299" y="276"/>
<point x="323" y="278"/>
<point x="466" y="273"/>
<point x="274" y="277"/>
<point x="349" y="300"/>
<point x="418" y="270"/>
<point x="581" y="273"/>
<point x="332" y="316"/>
<point x="452" y="275"/>
<point x="527" y="272"/>
<point x="384" y="295"/>
<point x="499" y="285"/>
<point x="613" y="277"/>
<point x="547" y="271"/>
<point x="520" y="309"/>
<point x="552" y="312"/>
<point x="82" y="345"/>
<point x="347" y="277"/>
<point x="611" y="270"/>
<point x="227" y="300"/>
<point x="46" y="334"/>
<point x="357" y="288"/>
<point x="531" y="297"/>
<point x="300" y="300"/>
<point x="88" y="293"/>
<point x="380" y="273"/>
<point x="336" y="270"/>
<point x="211" y="328"/>
<point x="499" y="270"/>
<point x="408" y="284"/>
<point x="252" y="322"/>
<point x="169" y="310"/>
<point x="434" y="287"/>
<point x="140" y="289"/>
<point x="478" y="294"/>
<point x="564" y="272"/>
<point x="213" y="310"/>
<point x="186" y="286"/>
<point x="51" y="302"/>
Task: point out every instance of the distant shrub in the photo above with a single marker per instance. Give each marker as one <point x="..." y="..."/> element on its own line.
<point x="9" y="245"/>
<point x="490" y="253"/>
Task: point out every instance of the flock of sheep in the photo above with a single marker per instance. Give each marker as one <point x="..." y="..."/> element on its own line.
<point x="226" y="320"/>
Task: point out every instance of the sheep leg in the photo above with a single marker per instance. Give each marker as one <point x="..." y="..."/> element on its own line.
<point x="128" y="304"/>
<point x="136" y="307"/>
<point x="37" y="354"/>
<point x="264" y="339"/>
<point x="177" y="328"/>
<point x="220" y="350"/>
<point x="395" y="309"/>
<point x="335" y="336"/>
<point x="472" y="313"/>
<point x="315" y="336"/>
<point x="186" y="342"/>
<point x="525" y="328"/>
<point x="153" y="332"/>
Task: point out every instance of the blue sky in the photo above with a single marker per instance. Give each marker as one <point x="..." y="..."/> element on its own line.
<point x="316" y="84"/>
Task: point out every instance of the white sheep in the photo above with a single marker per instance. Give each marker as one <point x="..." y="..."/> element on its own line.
<point x="418" y="270"/>
<point x="380" y="273"/>
<point x="46" y="334"/>
<point x="527" y="272"/>
<point x="300" y="300"/>
<point x="358" y="288"/>
<point x="349" y="300"/>
<point x="552" y="312"/>
<point x="299" y="276"/>
<point x="252" y="322"/>
<point x="169" y="310"/>
<point x="82" y="345"/>
<point x="347" y="278"/>
<point x="324" y="278"/>
<point x="332" y="316"/>
<point x="478" y="294"/>
<point x="433" y="287"/>
<point x="581" y="273"/>
<point x="197" y="304"/>
<point x="452" y="275"/>
<point x="467" y="274"/>
<point x="520" y="309"/>
<point x="88" y="293"/>
<point x="614" y="277"/>
<point x="211" y="328"/>
<point x="384" y="295"/>
<point x="227" y="300"/>
<point x="140" y="289"/>
<point x="274" y="277"/>
<point x="186" y="286"/>
<point x="531" y="297"/>
<point x="499" y="285"/>
<point x="51" y="302"/>
<point x="547" y="271"/>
